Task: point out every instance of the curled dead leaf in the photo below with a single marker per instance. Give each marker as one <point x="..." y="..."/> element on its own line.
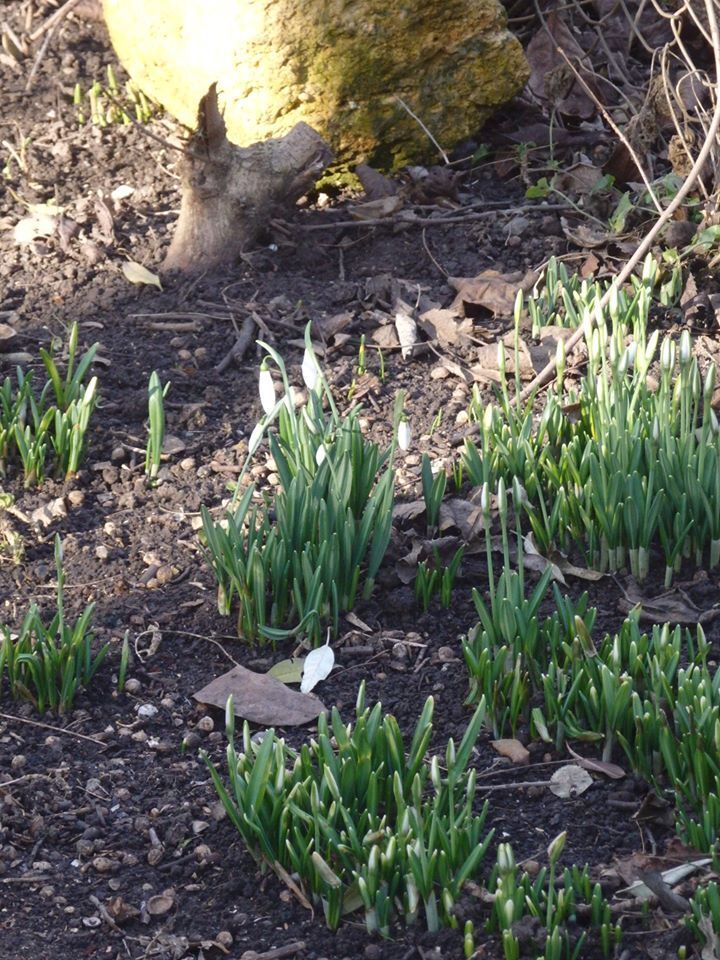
<point x="570" y="781"/>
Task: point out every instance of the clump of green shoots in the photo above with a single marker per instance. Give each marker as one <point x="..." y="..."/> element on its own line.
<point x="437" y="578"/>
<point x="362" y="822"/>
<point x="704" y="917"/>
<point x="555" y="906"/>
<point x="505" y="652"/>
<point x="636" y="467"/>
<point x="433" y="490"/>
<point x="104" y="105"/>
<point x="49" y="664"/>
<point x="53" y="423"/>
<point x="156" y="425"/>
<point x="299" y="559"/>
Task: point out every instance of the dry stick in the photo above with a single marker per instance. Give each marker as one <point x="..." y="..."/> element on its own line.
<point x="54" y="18"/>
<point x="547" y="372"/>
<point x="39" y="58"/>
<point x="47" y="726"/>
<point x="434" y="221"/>
<point x="243" y="341"/>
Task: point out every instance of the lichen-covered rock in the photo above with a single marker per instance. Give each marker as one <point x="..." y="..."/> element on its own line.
<point x="342" y="66"/>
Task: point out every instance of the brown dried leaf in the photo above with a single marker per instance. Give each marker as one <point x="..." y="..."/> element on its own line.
<point x="671" y="607"/>
<point x="375" y="184"/>
<point x="611" y="770"/>
<point x="579" y="178"/>
<point x="446" y="327"/>
<point x="376" y="209"/>
<point x="512" y="749"/>
<point x="463" y="516"/>
<point x="490" y="289"/>
<point x="551" y="79"/>
<point x="260" y="699"/>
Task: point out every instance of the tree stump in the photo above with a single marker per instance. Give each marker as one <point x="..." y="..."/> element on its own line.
<point x="229" y="193"/>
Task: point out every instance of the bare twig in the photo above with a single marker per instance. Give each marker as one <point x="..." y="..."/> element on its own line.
<point x="54" y="19"/>
<point x="413" y="221"/>
<point x="547" y="372"/>
<point x="424" y="129"/>
<point x="47" y="726"/>
<point x="39" y="58"/>
<point x="243" y="341"/>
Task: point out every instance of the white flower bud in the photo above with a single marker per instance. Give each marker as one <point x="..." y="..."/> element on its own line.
<point x="266" y="388"/>
<point x="320" y="454"/>
<point x="403" y="434"/>
<point x="310" y="369"/>
<point x="631" y="353"/>
<point x="667" y="354"/>
<point x="685" y="347"/>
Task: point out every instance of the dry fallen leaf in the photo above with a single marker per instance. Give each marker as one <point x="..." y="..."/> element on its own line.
<point x="376" y="209"/>
<point x="406" y="333"/>
<point x="288" y="671"/>
<point x="463" y="516"/>
<point x="41" y="223"/>
<point x="512" y="749"/>
<point x="611" y="770"/>
<point x="137" y="273"/>
<point x="260" y="699"/>
<point x="548" y="67"/>
<point x="446" y="327"/>
<point x="318" y="664"/>
<point x="570" y="781"/>
<point x="490" y="289"/>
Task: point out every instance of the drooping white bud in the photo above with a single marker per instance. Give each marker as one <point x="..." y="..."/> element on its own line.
<point x="266" y="388"/>
<point x="403" y="434"/>
<point x="685" y="347"/>
<point x="320" y="454"/>
<point x="310" y="369"/>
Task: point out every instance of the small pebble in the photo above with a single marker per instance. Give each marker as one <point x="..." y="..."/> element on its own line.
<point x="133" y="685"/>
<point x="205" y="724"/>
<point x="18" y="761"/>
<point x="147" y="710"/>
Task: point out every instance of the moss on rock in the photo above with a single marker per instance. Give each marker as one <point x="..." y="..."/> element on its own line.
<point x="339" y="65"/>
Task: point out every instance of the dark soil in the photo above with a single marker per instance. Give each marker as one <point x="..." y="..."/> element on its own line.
<point x="103" y="804"/>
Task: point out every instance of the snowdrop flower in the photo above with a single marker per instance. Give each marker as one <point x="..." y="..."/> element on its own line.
<point x="255" y="437"/>
<point x="320" y="454"/>
<point x="685" y="347"/>
<point x="631" y="352"/>
<point x="266" y="388"/>
<point x="667" y="354"/>
<point x="485" y="498"/>
<point x="310" y="369"/>
<point x="403" y="434"/>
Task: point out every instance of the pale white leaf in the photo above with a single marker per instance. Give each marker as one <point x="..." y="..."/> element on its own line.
<point x="40" y="223"/>
<point x="137" y="273"/>
<point x="406" y="332"/>
<point x="122" y="192"/>
<point x="318" y="664"/>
